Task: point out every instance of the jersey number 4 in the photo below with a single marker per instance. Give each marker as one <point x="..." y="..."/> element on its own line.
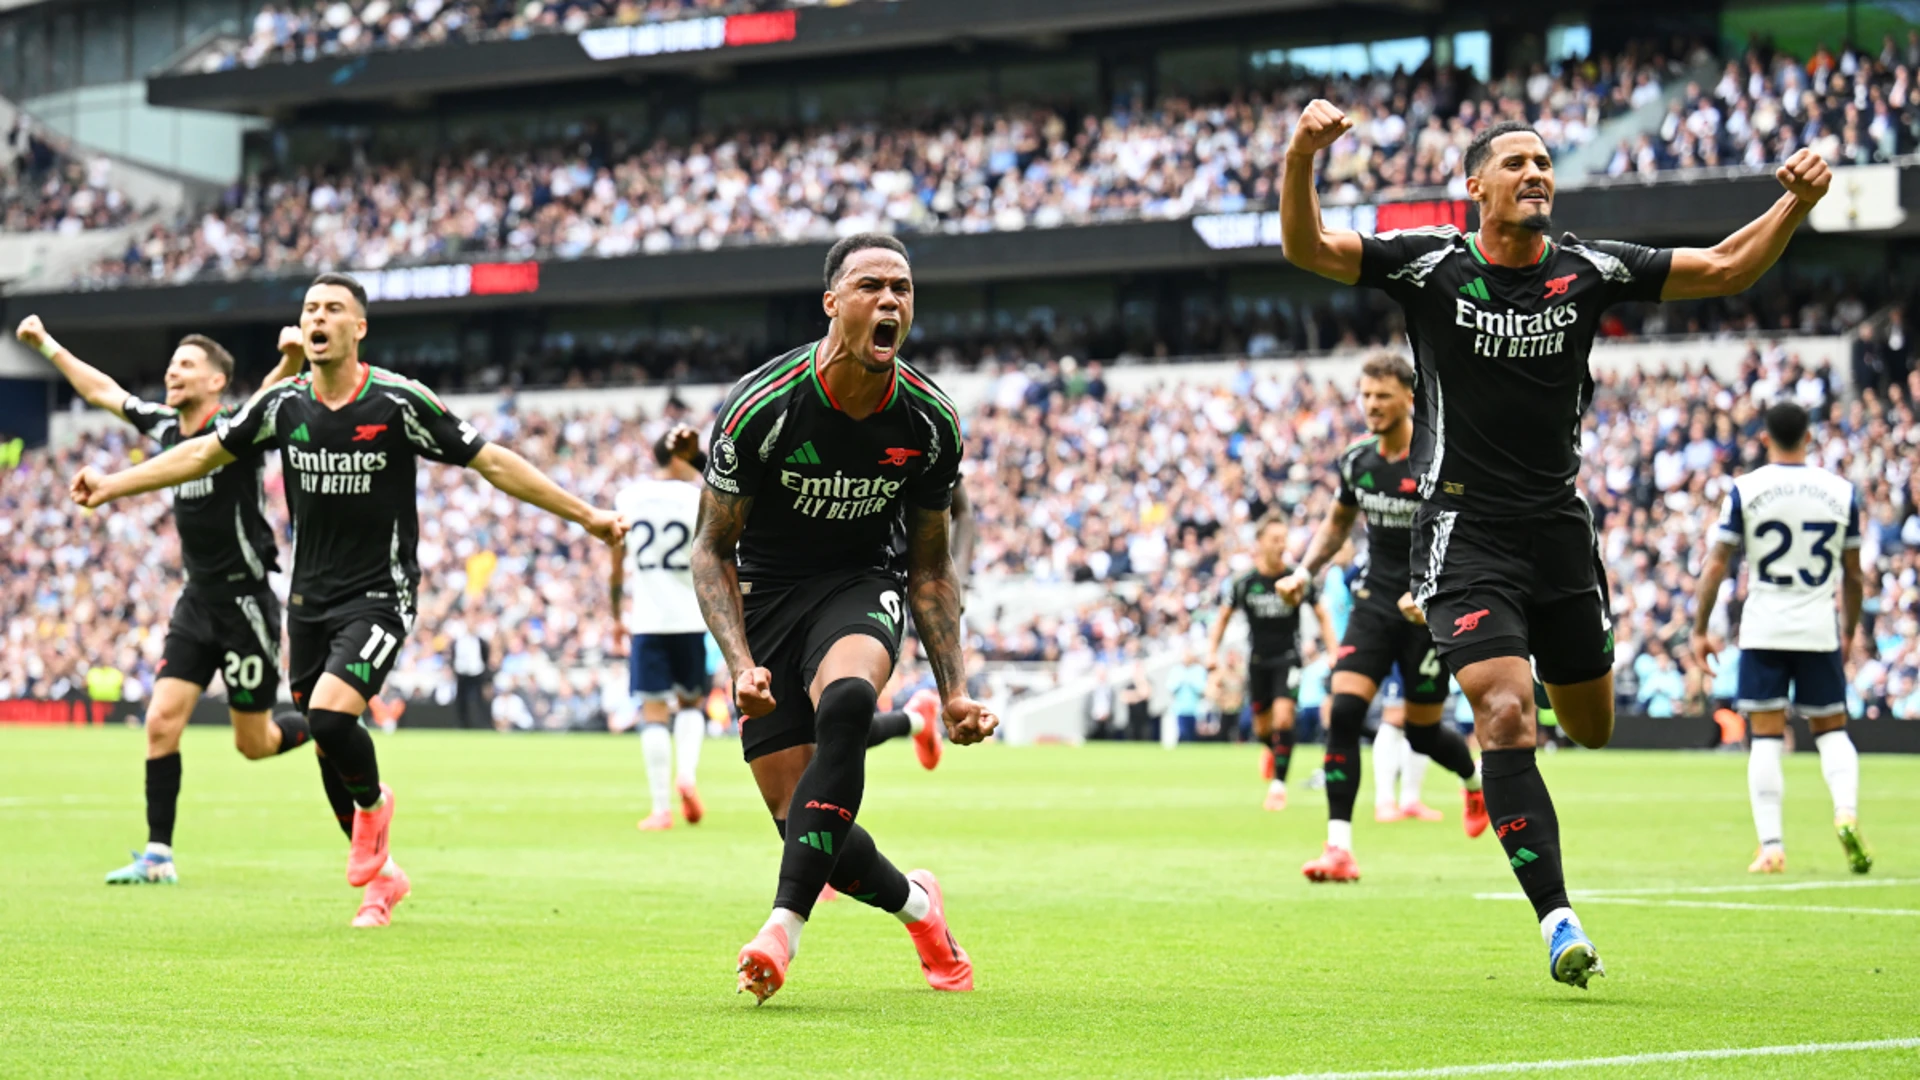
<point x="1822" y="533"/>
<point x="672" y="531"/>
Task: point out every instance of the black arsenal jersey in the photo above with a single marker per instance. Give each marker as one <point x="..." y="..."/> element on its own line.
<point x="1385" y="490"/>
<point x="350" y="480"/>
<point x="829" y="492"/>
<point x="1501" y="358"/>
<point x="225" y="540"/>
<point x="1273" y="625"/>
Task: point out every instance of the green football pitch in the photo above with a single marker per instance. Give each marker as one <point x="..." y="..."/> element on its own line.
<point x="1131" y="913"/>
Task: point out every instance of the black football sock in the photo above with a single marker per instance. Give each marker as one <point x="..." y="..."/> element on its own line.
<point x="1523" y="818"/>
<point x="863" y="873"/>
<point x="1346" y="719"/>
<point x="293" y="731"/>
<point x="1444" y="745"/>
<point x="337" y="796"/>
<point x="350" y="750"/>
<point x="1281" y="742"/>
<point x="825" y="801"/>
<point x="889" y="725"/>
<point x="163" y="797"/>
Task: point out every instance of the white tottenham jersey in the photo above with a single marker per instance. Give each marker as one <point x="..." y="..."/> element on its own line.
<point x="659" y="589"/>
<point x="1792" y="521"/>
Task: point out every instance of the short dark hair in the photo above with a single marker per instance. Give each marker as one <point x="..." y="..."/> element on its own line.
<point x="846" y="246"/>
<point x="217" y="354"/>
<point x="1481" y="148"/>
<point x="347" y="282"/>
<point x="1271" y="517"/>
<point x="1787" y="423"/>
<point x="1388" y="365"/>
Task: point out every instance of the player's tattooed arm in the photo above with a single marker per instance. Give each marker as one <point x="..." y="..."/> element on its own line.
<point x="1326" y="543"/>
<point x="516" y="476"/>
<point x="933" y="594"/>
<point x="188" y="461"/>
<point x="716" y="584"/>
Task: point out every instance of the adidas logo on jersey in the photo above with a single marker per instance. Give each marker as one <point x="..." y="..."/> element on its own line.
<point x="1477" y="288"/>
<point x="298" y="434"/>
<point x="806" y="455"/>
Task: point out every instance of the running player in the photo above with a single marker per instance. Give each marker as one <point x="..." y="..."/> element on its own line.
<point x="812" y="461"/>
<point x="349" y="437"/>
<point x="1273" y="632"/>
<point x="1504" y="558"/>
<point x="667" y="660"/>
<point x="1386" y="629"/>
<point x="227" y="619"/>
<point x="1798" y="522"/>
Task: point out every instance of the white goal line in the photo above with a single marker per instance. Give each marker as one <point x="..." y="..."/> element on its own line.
<point x="1603" y="1062"/>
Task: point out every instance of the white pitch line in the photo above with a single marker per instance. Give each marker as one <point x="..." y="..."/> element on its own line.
<point x="1726" y="905"/>
<point x="1713" y="890"/>
<point x="1601" y="1062"/>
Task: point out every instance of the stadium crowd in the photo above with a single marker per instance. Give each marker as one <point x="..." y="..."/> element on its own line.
<point x="43" y="189"/>
<point x="1150" y="496"/>
<point x="1853" y="108"/>
<point x="308" y="30"/>
<point x="1018" y="167"/>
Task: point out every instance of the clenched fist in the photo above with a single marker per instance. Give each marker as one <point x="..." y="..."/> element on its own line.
<point x="1805" y="175"/>
<point x="293" y="344"/>
<point x="89" y="488"/>
<point x="31" y="333"/>
<point x="1320" y="126"/>
<point x="968" y="721"/>
<point x="753" y="692"/>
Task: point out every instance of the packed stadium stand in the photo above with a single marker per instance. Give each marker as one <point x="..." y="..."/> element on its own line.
<point x="594" y="197"/>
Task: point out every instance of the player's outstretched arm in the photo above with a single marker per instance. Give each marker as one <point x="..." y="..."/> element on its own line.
<point x="1326" y="543"/>
<point x="933" y="594"/>
<point x="1304" y="238"/>
<point x="94" y="386"/>
<point x="716" y="583"/>
<point x="189" y="461"/>
<point x="1706" y="594"/>
<point x="1734" y="264"/>
<point x="517" y="477"/>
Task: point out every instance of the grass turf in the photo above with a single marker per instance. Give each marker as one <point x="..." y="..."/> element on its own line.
<point x="1131" y="913"/>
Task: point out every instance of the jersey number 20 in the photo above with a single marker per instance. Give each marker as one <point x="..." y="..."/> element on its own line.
<point x="1822" y="533"/>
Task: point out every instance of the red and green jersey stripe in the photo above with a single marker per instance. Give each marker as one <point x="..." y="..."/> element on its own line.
<point x="1473" y="245"/>
<point x="387" y="378"/>
<point x="921" y="387"/>
<point x="827" y="398"/>
<point x="773" y="385"/>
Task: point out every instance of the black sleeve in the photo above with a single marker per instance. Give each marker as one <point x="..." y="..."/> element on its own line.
<point x="1633" y="272"/>
<point x="1399" y="263"/>
<point x="434" y="432"/>
<point x="1345" y="492"/>
<point x="741" y="442"/>
<point x="150" y="418"/>
<point x="1235" y="595"/>
<point x="933" y="488"/>
<point x="255" y="428"/>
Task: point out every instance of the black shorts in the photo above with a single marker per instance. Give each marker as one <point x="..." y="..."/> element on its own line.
<point x="1271" y="679"/>
<point x="357" y="641"/>
<point x="237" y="635"/>
<point x="789" y="630"/>
<point x="1516" y="586"/>
<point x="1379" y="637"/>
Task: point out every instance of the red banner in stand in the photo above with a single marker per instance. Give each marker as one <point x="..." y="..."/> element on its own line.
<point x="1420" y="215"/>
<point x="498" y="279"/>
<point x="765" y="28"/>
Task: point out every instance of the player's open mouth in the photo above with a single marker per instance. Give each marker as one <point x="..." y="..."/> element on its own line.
<point x="886" y="335"/>
<point x="318" y="339"/>
<point x="1534" y="195"/>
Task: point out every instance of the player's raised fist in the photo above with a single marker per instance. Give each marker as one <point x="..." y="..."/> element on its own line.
<point x="753" y="692"/>
<point x="1291" y="588"/>
<point x="293" y="344"/>
<point x="968" y="721"/>
<point x="1805" y="175"/>
<point x="89" y="488"/>
<point x="32" y="332"/>
<point x="1320" y="126"/>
